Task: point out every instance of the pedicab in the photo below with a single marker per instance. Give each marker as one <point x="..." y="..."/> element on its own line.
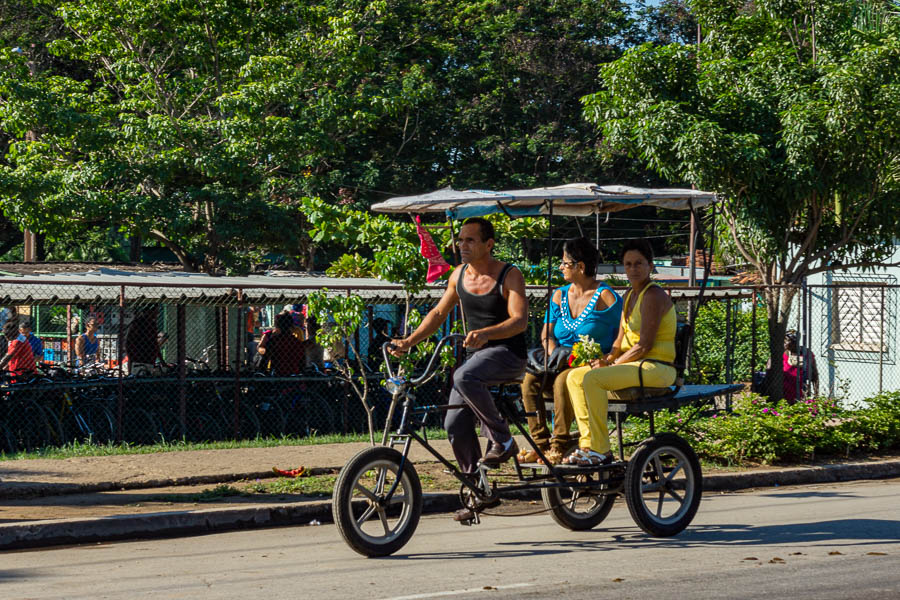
<point x="378" y="499"/>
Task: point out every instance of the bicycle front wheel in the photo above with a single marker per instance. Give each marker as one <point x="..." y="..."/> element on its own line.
<point x="377" y="501"/>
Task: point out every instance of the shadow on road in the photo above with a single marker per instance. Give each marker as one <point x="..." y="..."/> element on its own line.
<point x="800" y="494"/>
<point x="841" y="533"/>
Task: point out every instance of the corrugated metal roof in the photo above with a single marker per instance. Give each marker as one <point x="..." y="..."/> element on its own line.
<point x="104" y="286"/>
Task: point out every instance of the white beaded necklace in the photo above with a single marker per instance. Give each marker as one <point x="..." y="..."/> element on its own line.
<point x="567" y="321"/>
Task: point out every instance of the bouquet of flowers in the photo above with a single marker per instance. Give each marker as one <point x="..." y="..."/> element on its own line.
<point x="584" y="351"/>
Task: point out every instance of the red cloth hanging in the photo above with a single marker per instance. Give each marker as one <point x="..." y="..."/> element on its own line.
<point x="437" y="266"/>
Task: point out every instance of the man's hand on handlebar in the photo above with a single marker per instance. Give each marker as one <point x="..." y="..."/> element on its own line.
<point x="475" y="339"/>
<point x="400" y="347"/>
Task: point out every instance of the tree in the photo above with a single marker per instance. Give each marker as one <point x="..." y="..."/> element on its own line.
<point x="789" y="110"/>
<point x="197" y="119"/>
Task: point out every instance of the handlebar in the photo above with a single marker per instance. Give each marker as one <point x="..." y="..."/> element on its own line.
<point x="432" y="362"/>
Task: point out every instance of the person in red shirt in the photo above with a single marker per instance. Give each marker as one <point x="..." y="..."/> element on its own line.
<point x="19" y="359"/>
<point x="281" y="349"/>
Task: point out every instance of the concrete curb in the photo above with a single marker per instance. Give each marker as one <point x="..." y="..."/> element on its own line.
<point x="18" y="490"/>
<point x="802" y="475"/>
<point x="36" y="534"/>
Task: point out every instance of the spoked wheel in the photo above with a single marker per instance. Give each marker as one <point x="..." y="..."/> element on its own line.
<point x="579" y="508"/>
<point x="663" y="485"/>
<point x="372" y="523"/>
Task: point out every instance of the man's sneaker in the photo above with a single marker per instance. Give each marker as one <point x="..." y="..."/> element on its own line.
<point x="498" y="455"/>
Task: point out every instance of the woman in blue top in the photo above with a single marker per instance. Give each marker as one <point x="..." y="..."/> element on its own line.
<point x="584" y="306"/>
<point x="87" y="344"/>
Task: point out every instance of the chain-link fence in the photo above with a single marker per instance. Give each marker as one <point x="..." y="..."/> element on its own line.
<point x="841" y="338"/>
<point x="199" y="362"/>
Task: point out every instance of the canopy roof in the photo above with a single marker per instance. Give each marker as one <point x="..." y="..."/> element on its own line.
<point x="574" y="199"/>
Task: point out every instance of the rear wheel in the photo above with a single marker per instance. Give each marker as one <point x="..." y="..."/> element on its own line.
<point x="377" y="502"/>
<point x="580" y="508"/>
<point x="663" y="485"/>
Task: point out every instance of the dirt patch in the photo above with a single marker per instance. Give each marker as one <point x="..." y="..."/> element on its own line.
<point x="54" y="501"/>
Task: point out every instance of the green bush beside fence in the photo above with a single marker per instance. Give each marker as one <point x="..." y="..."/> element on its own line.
<point x="758" y="431"/>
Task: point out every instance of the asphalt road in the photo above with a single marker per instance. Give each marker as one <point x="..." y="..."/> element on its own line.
<point x="818" y="541"/>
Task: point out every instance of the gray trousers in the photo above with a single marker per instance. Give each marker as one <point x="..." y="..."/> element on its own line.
<point x="486" y="367"/>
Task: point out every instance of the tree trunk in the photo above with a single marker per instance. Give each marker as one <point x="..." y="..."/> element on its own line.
<point x="40" y="247"/>
<point x="135" y="246"/>
<point x="779" y="303"/>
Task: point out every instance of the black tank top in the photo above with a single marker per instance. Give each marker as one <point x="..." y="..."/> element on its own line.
<point x="490" y="308"/>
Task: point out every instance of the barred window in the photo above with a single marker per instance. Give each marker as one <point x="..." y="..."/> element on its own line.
<point x="860" y="318"/>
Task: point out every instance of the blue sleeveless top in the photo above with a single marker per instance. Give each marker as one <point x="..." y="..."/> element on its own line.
<point x="90" y="348"/>
<point x="600" y="325"/>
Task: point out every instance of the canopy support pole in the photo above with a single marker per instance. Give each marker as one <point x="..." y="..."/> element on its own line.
<point x="457" y="260"/>
<point x="549" y="290"/>
<point x="692" y="250"/>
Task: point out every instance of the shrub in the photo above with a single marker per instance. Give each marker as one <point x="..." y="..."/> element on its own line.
<point x="758" y="431"/>
<point x="708" y="360"/>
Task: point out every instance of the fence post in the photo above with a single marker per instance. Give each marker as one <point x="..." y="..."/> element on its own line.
<point x="120" y="355"/>
<point x="801" y="373"/>
<point x="70" y="348"/>
<point x="237" y="365"/>
<point x="881" y="346"/>
<point x="753" y="347"/>
<point x="221" y="335"/>
<point x="370" y="314"/>
<point x="181" y="357"/>
<point x="729" y="341"/>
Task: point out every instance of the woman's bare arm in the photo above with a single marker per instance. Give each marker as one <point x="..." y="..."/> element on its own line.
<point x="655" y="304"/>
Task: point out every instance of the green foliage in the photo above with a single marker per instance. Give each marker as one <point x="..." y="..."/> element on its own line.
<point x="351" y="265"/>
<point x="708" y="361"/>
<point x="760" y="431"/>
<point x="198" y="120"/>
<point x="788" y="110"/>
<point x="184" y="123"/>
<point x="392" y="243"/>
<point x="354" y="229"/>
<point x="402" y="264"/>
<point x="339" y="316"/>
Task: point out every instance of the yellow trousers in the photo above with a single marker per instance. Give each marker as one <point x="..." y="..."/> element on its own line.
<point x="587" y="392"/>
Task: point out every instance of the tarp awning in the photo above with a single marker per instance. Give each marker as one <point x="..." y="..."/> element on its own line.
<point x="575" y="199"/>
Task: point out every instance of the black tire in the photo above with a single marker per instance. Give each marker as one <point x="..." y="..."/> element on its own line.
<point x="101" y="423"/>
<point x="663" y="485"/>
<point x="579" y="509"/>
<point x="58" y="435"/>
<point x="367" y="478"/>
<point x="8" y="443"/>
<point x="32" y="428"/>
<point x="140" y="427"/>
<point x="203" y="428"/>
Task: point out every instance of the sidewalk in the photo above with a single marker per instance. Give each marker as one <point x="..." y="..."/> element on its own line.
<point x="45" y="502"/>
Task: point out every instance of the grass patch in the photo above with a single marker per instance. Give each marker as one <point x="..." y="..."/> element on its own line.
<point x="211" y="495"/>
<point x="77" y="449"/>
<point x="315" y="485"/>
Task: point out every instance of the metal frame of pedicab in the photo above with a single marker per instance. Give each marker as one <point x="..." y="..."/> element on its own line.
<point x="598" y="485"/>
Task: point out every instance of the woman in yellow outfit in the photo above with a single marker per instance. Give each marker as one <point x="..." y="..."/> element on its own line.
<point x="647" y="331"/>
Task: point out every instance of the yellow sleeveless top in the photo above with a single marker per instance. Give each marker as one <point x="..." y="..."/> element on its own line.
<point x="664" y="345"/>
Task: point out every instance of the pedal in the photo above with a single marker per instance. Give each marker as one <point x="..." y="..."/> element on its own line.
<point x="469" y="522"/>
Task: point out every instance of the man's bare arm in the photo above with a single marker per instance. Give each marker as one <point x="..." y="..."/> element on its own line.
<point x="434" y="319"/>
